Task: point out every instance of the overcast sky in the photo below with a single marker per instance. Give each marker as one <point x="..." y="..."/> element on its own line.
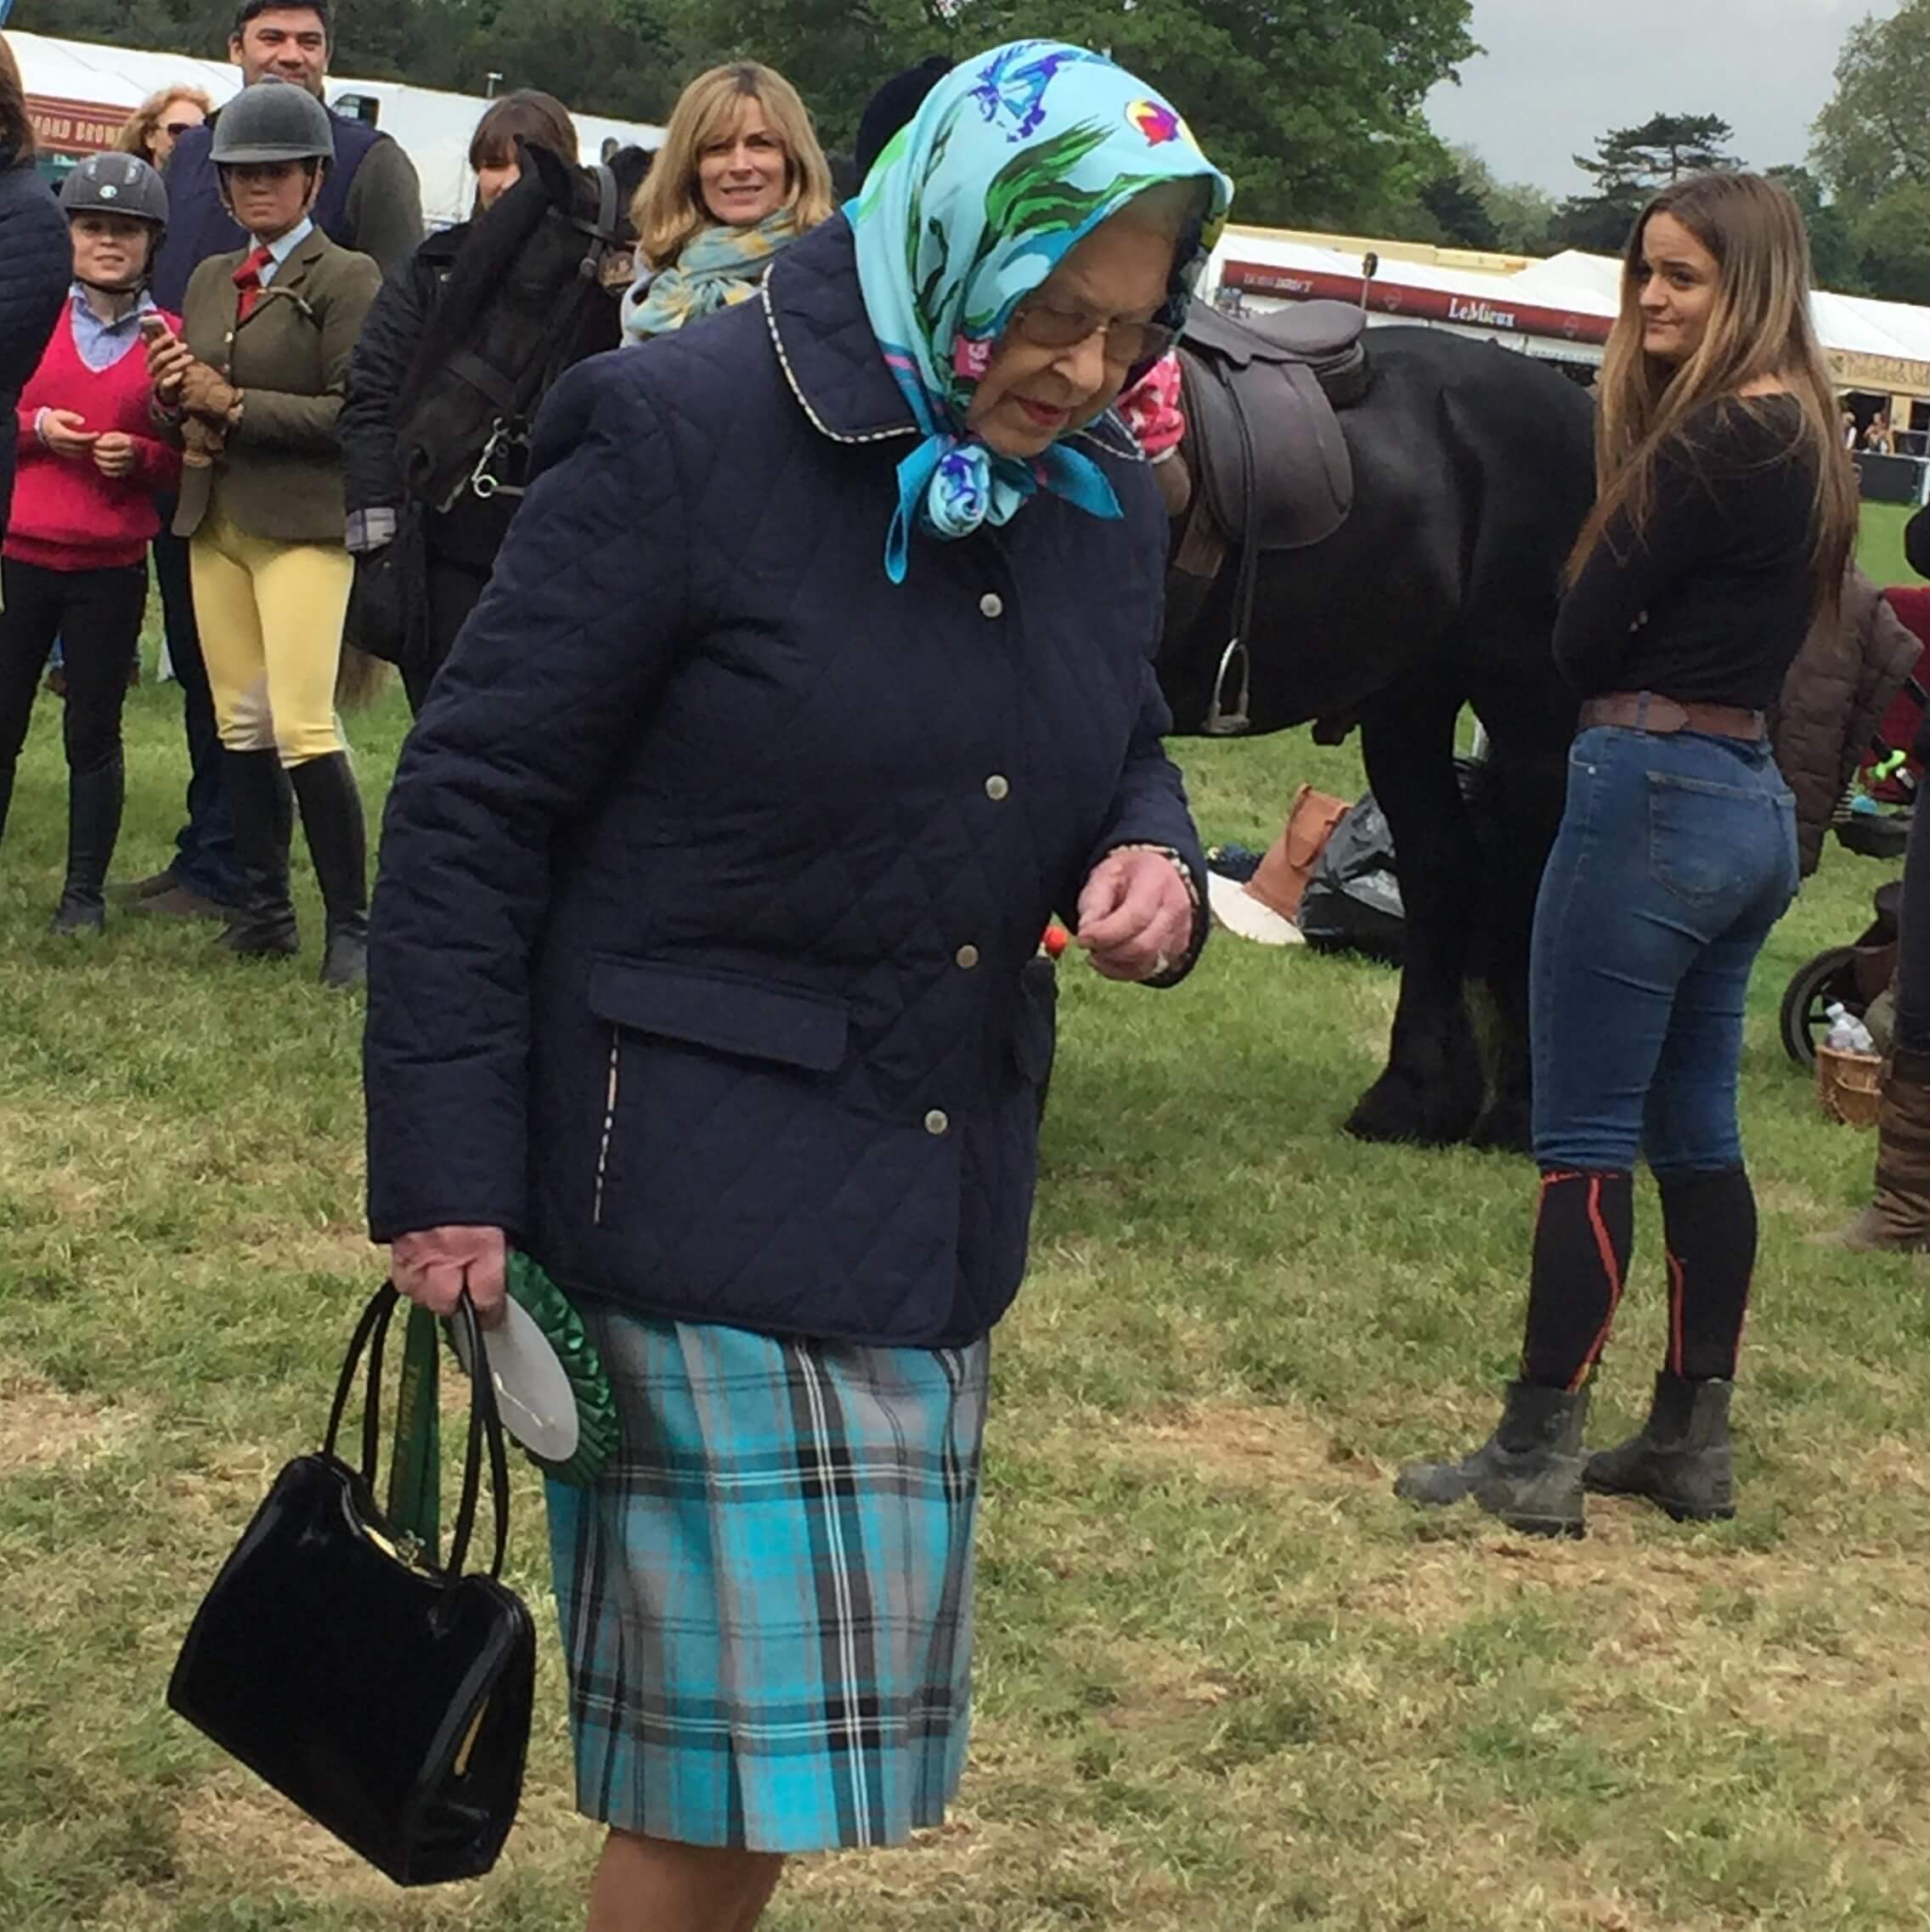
<point x="1558" y="73"/>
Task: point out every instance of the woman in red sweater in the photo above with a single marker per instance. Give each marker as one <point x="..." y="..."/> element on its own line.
<point x="73" y="563"/>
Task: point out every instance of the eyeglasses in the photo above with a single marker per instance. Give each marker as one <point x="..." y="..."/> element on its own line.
<point x="1127" y="344"/>
<point x="177" y="128"/>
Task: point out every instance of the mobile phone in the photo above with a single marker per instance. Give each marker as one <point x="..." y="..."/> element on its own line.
<point x="153" y="325"/>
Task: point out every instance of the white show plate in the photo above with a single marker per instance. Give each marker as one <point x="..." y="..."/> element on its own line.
<point x="533" y="1394"/>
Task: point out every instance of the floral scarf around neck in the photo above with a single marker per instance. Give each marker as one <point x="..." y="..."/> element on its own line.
<point x="1013" y="159"/>
<point x="718" y="267"/>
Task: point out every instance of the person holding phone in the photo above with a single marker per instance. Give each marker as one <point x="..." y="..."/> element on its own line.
<point x="253" y="389"/>
<point x="74" y="561"/>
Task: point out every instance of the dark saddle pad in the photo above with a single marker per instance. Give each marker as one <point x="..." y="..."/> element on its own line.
<point x="1262" y="398"/>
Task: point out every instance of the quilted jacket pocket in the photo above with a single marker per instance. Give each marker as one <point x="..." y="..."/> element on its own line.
<point x="728" y="1015"/>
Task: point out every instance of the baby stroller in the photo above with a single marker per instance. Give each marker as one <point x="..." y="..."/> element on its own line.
<point x="1873" y="821"/>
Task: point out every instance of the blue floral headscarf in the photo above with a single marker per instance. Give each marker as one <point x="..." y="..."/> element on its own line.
<point x="1014" y="158"/>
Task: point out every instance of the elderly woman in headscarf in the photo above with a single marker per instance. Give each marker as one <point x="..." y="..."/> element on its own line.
<point x="815" y="674"/>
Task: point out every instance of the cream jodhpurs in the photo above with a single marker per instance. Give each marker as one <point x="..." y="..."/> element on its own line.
<point x="270" y="615"/>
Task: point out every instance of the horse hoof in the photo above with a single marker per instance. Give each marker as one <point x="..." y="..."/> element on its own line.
<point x="1503" y="1129"/>
<point x="1399" y="1111"/>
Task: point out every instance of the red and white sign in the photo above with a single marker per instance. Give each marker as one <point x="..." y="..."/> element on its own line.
<point x="1388" y="298"/>
<point x="76" y="128"/>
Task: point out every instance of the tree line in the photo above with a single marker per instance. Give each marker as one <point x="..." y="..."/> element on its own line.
<point x="1314" y="106"/>
<point x="1864" y="186"/>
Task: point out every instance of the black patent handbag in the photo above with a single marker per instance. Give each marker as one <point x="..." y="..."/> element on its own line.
<point x="389" y="1700"/>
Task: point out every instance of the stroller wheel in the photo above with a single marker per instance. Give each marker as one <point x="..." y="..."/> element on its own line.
<point x="1813" y="988"/>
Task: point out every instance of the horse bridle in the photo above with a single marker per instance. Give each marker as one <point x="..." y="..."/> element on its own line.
<point x="510" y="430"/>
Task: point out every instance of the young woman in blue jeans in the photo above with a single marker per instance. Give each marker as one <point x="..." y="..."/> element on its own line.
<point x="1725" y="513"/>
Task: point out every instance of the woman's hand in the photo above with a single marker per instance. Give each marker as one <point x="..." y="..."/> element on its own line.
<point x="169" y="359"/>
<point x="1135" y="916"/>
<point x="114" y="454"/>
<point x="61" y="431"/>
<point x="433" y="1266"/>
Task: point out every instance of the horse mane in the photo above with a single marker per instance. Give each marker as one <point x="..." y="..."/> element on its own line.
<point x="496" y="241"/>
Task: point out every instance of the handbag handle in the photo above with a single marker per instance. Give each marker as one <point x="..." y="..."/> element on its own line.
<point x="485" y="1424"/>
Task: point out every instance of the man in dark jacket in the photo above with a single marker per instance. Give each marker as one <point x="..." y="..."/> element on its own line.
<point x="36" y="268"/>
<point x="371" y="202"/>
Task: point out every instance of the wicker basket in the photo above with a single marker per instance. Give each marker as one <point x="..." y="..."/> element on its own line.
<point x="1849" y="1086"/>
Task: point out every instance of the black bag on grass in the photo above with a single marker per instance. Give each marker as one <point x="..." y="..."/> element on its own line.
<point x="1352" y="901"/>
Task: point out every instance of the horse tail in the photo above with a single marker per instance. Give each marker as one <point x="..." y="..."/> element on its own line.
<point x="359" y="680"/>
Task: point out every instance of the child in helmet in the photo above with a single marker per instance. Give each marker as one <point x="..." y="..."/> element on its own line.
<point x="74" y="564"/>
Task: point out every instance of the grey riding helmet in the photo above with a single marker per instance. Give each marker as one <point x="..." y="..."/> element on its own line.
<point x="115" y="185"/>
<point x="273" y="120"/>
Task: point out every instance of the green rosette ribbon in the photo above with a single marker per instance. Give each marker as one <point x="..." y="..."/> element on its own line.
<point x="597" y="1430"/>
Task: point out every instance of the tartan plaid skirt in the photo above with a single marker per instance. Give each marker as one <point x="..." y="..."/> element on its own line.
<point x="766" y="1599"/>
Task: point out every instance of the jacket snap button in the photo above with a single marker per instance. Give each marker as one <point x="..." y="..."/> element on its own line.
<point x="967" y="957"/>
<point x="997" y="787"/>
<point x="935" y="1122"/>
<point x="991" y="605"/>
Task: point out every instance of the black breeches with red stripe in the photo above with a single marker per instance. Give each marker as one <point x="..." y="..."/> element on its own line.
<point x="1583" y="1235"/>
<point x="1583" y="1229"/>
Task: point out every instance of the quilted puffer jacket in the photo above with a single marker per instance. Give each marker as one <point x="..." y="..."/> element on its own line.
<point x="37" y="270"/>
<point x="712" y="866"/>
<point x="1832" y="701"/>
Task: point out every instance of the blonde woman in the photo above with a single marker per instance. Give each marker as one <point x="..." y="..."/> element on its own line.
<point x="160" y="121"/>
<point x="1725" y="515"/>
<point x="739" y="175"/>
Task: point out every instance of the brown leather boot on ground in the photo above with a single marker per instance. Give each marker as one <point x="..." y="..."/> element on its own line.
<point x="1897" y="1221"/>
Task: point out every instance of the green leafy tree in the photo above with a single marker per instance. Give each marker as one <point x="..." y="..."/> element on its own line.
<point x="1459" y="210"/>
<point x="1874" y="133"/>
<point x="1894" y="240"/>
<point x="1835" y="253"/>
<point x="1629" y="165"/>
<point x="1518" y="215"/>
<point x="1312" y="107"/>
<point x="834" y="51"/>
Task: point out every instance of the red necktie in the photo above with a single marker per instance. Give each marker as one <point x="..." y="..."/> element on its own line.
<point x="248" y="280"/>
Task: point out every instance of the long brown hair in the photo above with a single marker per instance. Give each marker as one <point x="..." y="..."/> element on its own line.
<point x="137" y="137"/>
<point x="16" y="124"/>
<point x="668" y="209"/>
<point x="1758" y="330"/>
<point x="526" y="115"/>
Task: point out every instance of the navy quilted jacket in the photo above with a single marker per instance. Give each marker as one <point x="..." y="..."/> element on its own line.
<point x="37" y="270"/>
<point x="711" y="868"/>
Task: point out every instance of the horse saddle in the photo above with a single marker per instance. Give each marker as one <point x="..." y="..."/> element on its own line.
<point x="1262" y="398"/>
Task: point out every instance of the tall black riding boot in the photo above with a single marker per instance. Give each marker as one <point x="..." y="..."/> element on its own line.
<point x="332" y="820"/>
<point x="1528" y="1472"/>
<point x="264" y="821"/>
<point x="1680" y="1459"/>
<point x="94" y="824"/>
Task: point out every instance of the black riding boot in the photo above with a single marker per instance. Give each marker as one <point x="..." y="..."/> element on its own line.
<point x="94" y="824"/>
<point x="332" y="820"/>
<point x="1680" y="1459"/>
<point x="1528" y="1472"/>
<point x="264" y="821"/>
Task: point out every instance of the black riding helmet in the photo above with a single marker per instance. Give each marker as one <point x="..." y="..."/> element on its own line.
<point x="272" y="121"/>
<point x="118" y="184"/>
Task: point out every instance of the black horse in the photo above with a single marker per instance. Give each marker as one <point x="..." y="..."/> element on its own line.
<point x="1472" y="470"/>
<point x="536" y="289"/>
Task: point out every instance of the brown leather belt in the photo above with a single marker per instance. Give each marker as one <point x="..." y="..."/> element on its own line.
<point x="1644" y="711"/>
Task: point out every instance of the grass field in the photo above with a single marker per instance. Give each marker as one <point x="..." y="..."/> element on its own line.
<point x="1225" y="1681"/>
